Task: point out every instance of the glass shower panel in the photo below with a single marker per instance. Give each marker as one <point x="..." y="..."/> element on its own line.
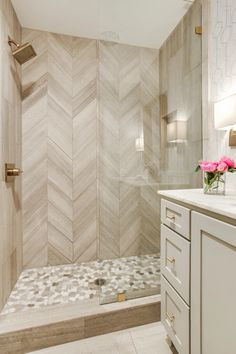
<point x="181" y="103"/>
<point x="149" y="131"/>
<point x="128" y="170"/>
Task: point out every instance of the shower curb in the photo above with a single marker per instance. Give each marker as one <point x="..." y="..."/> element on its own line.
<point x="58" y="332"/>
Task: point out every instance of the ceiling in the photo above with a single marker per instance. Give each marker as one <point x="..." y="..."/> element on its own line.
<point x="145" y="23"/>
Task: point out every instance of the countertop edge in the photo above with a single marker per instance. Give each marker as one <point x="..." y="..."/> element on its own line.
<point x="174" y="195"/>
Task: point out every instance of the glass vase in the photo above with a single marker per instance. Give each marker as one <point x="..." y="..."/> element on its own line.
<point x="214" y="183"/>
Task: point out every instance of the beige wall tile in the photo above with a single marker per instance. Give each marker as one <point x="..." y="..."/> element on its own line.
<point x="10" y="151"/>
<point x="81" y="117"/>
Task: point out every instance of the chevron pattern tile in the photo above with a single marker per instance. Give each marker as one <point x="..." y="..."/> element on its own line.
<point x="85" y="103"/>
<point x="130" y="160"/>
<point x="34" y="146"/>
<point x="108" y="169"/>
<point x="10" y="151"/>
<point x="150" y="216"/>
<point x="149" y="201"/>
<point x="60" y="165"/>
<point x="130" y="220"/>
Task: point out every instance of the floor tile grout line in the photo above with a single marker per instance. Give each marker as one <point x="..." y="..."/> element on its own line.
<point x="136" y="351"/>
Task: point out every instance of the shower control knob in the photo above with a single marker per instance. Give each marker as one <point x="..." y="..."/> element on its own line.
<point x="11" y="171"/>
<point x="14" y="172"/>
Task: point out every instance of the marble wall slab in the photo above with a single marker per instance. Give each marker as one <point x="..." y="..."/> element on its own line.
<point x="10" y="152"/>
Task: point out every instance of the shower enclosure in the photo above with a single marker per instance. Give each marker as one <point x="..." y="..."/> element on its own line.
<point x="129" y="168"/>
<point x="105" y="126"/>
<point x="149" y="131"/>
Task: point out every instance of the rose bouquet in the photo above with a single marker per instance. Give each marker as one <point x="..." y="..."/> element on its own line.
<point x="214" y="174"/>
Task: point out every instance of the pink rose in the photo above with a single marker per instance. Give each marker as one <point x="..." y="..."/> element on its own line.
<point x="229" y="162"/>
<point x="208" y="166"/>
<point x="222" y="167"/>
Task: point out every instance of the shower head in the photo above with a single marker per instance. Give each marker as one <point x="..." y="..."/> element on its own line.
<point x="22" y="53"/>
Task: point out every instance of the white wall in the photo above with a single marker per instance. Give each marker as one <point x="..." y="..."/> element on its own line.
<point x="219" y="65"/>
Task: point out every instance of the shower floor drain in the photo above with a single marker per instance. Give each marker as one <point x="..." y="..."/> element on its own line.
<point x="100" y="282"/>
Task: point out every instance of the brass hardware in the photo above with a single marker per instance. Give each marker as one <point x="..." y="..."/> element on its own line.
<point x="172" y="218"/>
<point x="22" y="53"/>
<point x="171" y="317"/>
<point x="232" y="137"/>
<point x="171" y="260"/>
<point x="14" y="172"/>
<point x="198" y="30"/>
<point x="100" y="282"/>
<point x="11" y="172"/>
<point x="121" y="297"/>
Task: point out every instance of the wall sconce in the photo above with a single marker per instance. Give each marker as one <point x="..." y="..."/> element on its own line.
<point x="225" y="117"/>
<point x="139" y="144"/>
<point x="177" y="131"/>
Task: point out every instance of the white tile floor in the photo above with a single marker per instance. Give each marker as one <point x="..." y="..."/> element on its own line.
<point x="148" y="339"/>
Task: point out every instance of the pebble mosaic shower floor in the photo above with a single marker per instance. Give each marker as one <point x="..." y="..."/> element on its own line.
<point x="136" y="276"/>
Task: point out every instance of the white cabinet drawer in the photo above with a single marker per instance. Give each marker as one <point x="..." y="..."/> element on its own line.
<point x="175" y="317"/>
<point x="176" y="217"/>
<point x="175" y="261"/>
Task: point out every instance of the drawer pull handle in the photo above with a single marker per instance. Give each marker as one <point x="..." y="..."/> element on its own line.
<point x="171" y="317"/>
<point x="171" y="259"/>
<point x="172" y="218"/>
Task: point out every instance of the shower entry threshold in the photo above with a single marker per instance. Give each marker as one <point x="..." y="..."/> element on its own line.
<point x="23" y="332"/>
<point x="55" y="305"/>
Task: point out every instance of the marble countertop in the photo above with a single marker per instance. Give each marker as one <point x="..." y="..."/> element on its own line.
<point x="222" y="205"/>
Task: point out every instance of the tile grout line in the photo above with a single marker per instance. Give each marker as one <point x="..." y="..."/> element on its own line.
<point x="136" y="351"/>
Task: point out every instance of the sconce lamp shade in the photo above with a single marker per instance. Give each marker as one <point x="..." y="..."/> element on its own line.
<point x="225" y="113"/>
<point x="139" y="144"/>
<point x="177" y="131"/>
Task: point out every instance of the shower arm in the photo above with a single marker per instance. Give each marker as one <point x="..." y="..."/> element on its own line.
<point x="11" y="41"/>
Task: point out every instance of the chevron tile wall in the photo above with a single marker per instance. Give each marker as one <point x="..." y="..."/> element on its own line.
<point x="128" y="109"/>
<point x="84" y="105"/>
<point x="59" y="145"/>
<point x="85" y="190"/>
<point x="108" y="153"/>
<point x="34" y="152"/>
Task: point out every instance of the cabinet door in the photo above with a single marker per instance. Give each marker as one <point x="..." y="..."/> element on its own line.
<point x="175" y="217"/>
<point x="213" y="286"/>
<point x="175" y="317"/>
<point x="175" y="264"/>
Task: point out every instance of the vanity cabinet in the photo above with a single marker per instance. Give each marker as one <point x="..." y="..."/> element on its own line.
<point x="198" y="266"/>
<point x="175" y="271"/>
<point x="213" y="286"/>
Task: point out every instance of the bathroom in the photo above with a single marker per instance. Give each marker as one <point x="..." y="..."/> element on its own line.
<point x="110" y="236"/>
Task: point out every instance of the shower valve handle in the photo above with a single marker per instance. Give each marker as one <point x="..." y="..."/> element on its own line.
<point x="11" y="171"/>
<point x="14" y="172"/>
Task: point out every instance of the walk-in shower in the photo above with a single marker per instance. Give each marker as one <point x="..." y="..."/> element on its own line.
<point x="97" y="116"/>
